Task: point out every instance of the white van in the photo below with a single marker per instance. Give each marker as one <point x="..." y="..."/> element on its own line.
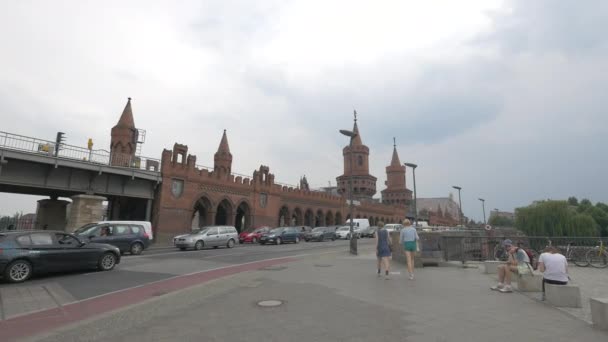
<point x="359" y="225"/>
<point x="147" y="226"/>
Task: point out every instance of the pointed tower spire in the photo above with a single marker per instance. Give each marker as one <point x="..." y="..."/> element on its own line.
<point x="123" y="142"/>
<point x="357" y="140"/>
<point x="224" y="144"/>
<point x="395" y="161"/>
<point x="223" y="158"/>
<point x="126" y="119"/>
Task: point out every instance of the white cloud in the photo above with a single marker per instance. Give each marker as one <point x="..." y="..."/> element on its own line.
<point x="497" y="96"/>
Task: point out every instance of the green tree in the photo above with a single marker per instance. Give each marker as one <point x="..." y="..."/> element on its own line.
<point x="500" y="221"/>
<point x="573" y="201"/>
<point x="555" y="218"/>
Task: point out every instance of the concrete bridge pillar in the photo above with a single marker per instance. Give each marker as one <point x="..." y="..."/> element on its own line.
<point x="85" y="209"/>
<point x="51" y="214"/>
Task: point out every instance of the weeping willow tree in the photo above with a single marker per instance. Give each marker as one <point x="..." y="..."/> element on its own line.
<point x="554" y="218"/>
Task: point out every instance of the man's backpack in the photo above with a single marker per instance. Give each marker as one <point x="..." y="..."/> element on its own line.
<point x="530" y="256"/>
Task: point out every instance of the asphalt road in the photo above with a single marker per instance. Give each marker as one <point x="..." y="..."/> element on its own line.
<point x="163" y="263"/>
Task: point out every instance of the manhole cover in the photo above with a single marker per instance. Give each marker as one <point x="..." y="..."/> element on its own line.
<point x="274" y="268"/>
<point x="323" y="265"/>
<point x="270" y="303"/>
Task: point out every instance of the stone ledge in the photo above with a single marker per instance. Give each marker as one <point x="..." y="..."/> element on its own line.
<point x="563" y="295"/>
<point x="599" y="312"/>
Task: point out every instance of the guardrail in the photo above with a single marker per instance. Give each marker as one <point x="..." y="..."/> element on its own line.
<point x="480" y="248"/>
<point x="101" y="157"/>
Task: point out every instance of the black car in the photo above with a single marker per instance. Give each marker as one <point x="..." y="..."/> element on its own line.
<point x="26" y="252"/>
<point x="320" y="234"/>
<point x="127" y="237"/>
<point x="281" y="235"/>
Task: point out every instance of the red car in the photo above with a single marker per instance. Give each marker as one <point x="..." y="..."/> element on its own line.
<point x="253" y="236"/>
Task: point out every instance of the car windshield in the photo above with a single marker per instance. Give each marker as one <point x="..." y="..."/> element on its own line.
<point x="318" y="230"/>
<point x="276" y="230"/>
<point x="344" y="228"/>
<point x="260" y="230"/>
<point x="85" y="229"/>
<point x="199" y="230"/>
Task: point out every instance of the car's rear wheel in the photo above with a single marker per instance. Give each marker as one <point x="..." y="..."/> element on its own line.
<point x="199" y="245"/>
<point x="18" y="271"/>
<point x="136" y="248"/>
<point x="254" y="240"/>
<point x="107" y="261"/>
<point x="279" y="241"/>
<point x="230" y="243"/>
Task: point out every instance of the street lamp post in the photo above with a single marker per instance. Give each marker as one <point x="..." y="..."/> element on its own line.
<point x="483" y="205"/>
<point x="459" y="203"/>
<point x="353" y="239"/>
<point x="414" y="166"/>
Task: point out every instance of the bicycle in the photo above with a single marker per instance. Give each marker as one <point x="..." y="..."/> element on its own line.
<point x="598" y="256"/>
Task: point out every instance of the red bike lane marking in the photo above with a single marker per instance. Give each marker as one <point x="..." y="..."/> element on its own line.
<point x="42" y="321"/>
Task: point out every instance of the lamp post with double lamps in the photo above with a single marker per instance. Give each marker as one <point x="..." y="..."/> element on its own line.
<point x="353" y="239"/>
<point x="459" y="203"/>
<point x="414" y="166"/>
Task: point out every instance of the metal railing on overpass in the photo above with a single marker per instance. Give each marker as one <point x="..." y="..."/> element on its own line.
<point x="37" y="146"/>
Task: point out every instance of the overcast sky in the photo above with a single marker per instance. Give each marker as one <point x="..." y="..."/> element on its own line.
<point x="504" y="98"/>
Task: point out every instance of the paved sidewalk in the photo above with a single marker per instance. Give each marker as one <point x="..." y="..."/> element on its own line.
<point x="337" y="297"/>
<point x="592" y="282"/>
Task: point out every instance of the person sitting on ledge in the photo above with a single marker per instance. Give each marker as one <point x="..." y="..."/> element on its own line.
<point x="517" y="256"/>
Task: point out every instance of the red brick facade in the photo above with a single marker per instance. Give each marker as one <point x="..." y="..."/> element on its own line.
<point x="190" y="196"/>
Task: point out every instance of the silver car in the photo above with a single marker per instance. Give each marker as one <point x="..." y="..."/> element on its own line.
<point x="212" y="236"/>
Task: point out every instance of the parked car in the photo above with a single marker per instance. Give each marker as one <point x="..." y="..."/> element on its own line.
<point x="128" y="237"/>
<point x="343" y="233"/>
<point x="369" y="232"/>
<point x="253" y="236"/>
<point x="320" y="234"/>
<point x="303" y="230"/>
<point x="212" y="236"/>
<point x="281" y="235"/>
<point x="146" y="224"/>
<point x="25" y="253"/>
<point x="393" y="227"/>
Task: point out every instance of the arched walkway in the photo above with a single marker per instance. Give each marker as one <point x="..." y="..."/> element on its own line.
<point x="297" y="218"/>
<point x="242" y="220"/>
<point x="338" y="220"/>
<point x="283" y="216"/>
<point x="224" y="213"/>
<point x="309" y="218"/>
<point x="203" y="212"/>
<point x="319" y="219"/>
<point x="329" y="218"/>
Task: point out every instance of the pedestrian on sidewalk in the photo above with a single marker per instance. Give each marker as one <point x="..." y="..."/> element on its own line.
<point x="517" y="259"/>
<point x="409" y="240"/>
<point x="554" y="267"/>
<point x="383" y="250"/>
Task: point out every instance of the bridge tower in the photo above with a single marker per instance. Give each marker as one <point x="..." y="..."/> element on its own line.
<point x="123" y="144"/>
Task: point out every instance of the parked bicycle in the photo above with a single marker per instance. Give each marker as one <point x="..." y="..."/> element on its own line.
<point x="598" y="256"/>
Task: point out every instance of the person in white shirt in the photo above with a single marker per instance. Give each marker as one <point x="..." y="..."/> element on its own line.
<point x="554" y="267"/>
